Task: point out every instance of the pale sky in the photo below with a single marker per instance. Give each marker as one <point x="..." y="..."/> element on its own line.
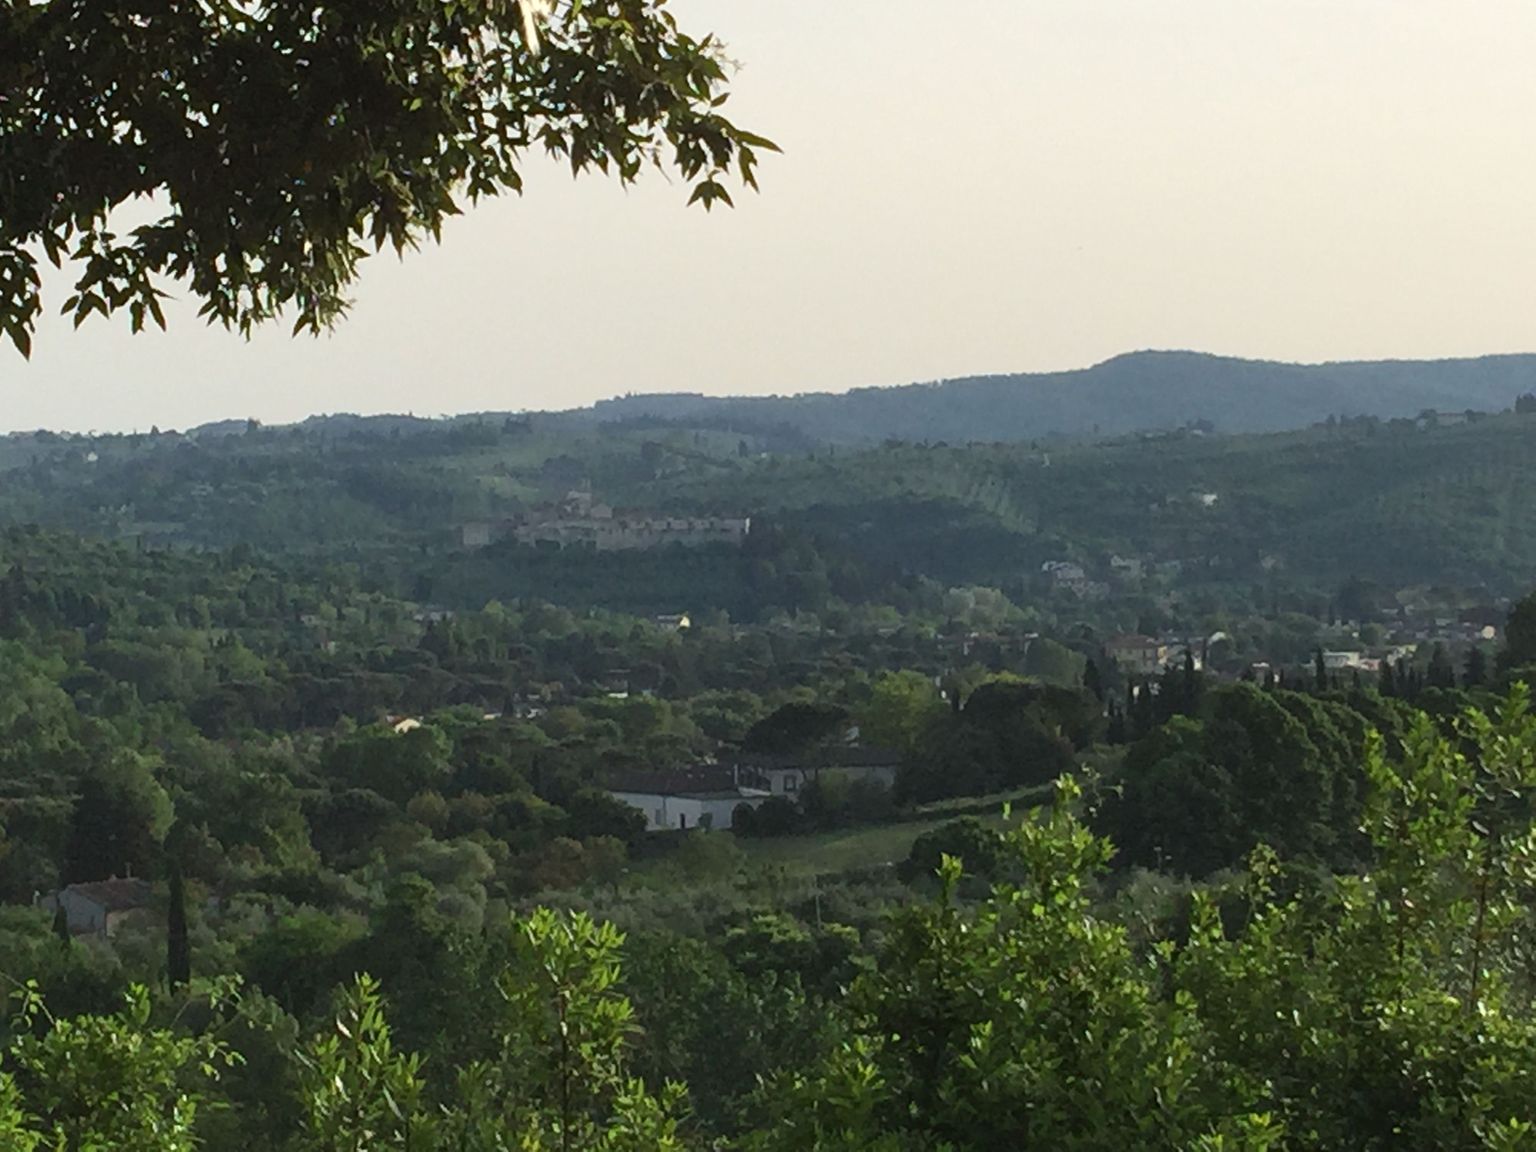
<point x="967" y="186"/>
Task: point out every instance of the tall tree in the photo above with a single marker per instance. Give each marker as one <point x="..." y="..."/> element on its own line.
<point x="120" y="821"/>
<point x="901" y="707"/>
<point x="1474" y="673"/>
<point x="1093" y="679"/>
<point x="1520" y="635"/>
<point x="1192" y="686"/>
<point x="1442" y="673"/>
<point x="178" y="948"/>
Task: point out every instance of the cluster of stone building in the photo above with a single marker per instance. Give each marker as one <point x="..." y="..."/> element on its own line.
<point x="579" y="521"/>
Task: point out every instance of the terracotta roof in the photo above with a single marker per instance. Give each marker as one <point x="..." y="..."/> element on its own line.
<point x="114" y="895"/>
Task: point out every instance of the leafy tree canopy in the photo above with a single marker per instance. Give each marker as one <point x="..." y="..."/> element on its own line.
<point x="283" y="139"/>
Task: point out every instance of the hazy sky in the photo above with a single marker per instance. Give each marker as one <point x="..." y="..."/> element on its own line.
<point x="967" y="186"/>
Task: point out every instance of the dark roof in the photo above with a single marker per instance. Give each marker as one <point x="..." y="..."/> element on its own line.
<point x="684" y="781"/>
<point x="114" y="895"/>
<point x="825" y="758"/>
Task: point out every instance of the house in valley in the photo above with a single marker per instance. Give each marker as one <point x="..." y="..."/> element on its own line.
<point x="788" y="773"/>
<point x="705" y="797"/>
<point x="1343" y="661"/>
<point x="1137" y="655"/>
<point x="99" y="908"/>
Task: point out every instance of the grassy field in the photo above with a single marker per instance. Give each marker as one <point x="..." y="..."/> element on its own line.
<point x="886" y="845"/>
<point x="849" y="849"/>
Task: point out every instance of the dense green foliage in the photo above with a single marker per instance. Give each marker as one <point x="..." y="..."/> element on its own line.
<point x="394" y="113"/>
<point x="1282" y="768"/>
<point x="1382" y="1010"/>
<point x="394" y="905"/>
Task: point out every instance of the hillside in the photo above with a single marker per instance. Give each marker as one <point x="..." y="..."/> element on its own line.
<point x="1141" y="391"/>
<point x="1400" y="503"/>
<point x="1397" y="503"/>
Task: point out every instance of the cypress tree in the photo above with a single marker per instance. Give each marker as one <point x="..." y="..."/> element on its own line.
<point x="1442" y="673"/>
<point x="1116" y="733"/>
<point x="1320" y="672"/>
<point x="178" y="949"/>
<point x="1092" y="680"/>
<point x="1145" y="715"/>
<point x="61" y="925"/>
<point x="1474" y="673"/>
<point x="1191" y="684"/>
<point x="1170" y="695"/>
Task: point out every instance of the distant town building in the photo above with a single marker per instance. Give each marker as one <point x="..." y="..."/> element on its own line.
<point x="1339" y="661"/>
<point x="786" y="775"/>
<point x="578" y="521"/>
<point x="1137" y="655"/>
<point x="1126" y="568"/>
<point x="1066" y="576"/>
<point x="480" y="534"/>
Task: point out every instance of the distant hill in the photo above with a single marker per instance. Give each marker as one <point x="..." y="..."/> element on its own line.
<point x="1236" y="517"/>
<point x="1141" y="391"/>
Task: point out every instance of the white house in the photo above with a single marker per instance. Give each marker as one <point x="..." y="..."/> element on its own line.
<point x="786" y="775"/>
<point x="1065" y="574"/>
<point x="1337" y="661"/>
<point x="478" y="534"/>
<point x="698" y="798"/>
<point x="1127" y="568"/>
<point x="100" y="907"/>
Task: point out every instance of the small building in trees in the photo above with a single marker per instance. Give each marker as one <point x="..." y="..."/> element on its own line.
<point x="478" y="534"/>
<point x="100" y="907"/>
<point x="694" y="798"/>
<point x="1343" y="661"/>
<point x="785" y="774"/>
<point x="1137" y="655"/>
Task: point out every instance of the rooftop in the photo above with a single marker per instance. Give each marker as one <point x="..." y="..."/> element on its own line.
<point x="705" y="778"/>
<point x="114" y="895"/>
<point x="856" y="757"/>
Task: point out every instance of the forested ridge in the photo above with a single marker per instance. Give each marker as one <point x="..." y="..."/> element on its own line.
<point x="1137" y="392"/>
<point x="1405" y="502"/>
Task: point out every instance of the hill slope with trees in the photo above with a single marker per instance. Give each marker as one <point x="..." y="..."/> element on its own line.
<point x="1137" y="392"/>
<point x="1401" y="502"/>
